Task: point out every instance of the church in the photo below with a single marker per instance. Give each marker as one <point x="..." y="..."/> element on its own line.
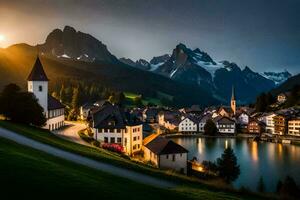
<point x="54" y="110"/>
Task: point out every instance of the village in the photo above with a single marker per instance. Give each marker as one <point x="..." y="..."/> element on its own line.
<point x="143" y="133"/>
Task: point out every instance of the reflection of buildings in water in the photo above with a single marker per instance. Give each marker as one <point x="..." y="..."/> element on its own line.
<point x="254" y="151"/>
<point x="226" y="144"/>
<point x="271" y="148"/>
<point x="279" y="151"/>
<point x="200" y="146"/>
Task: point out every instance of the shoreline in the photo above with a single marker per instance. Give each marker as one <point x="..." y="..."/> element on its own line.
<point x="294" y="141"/>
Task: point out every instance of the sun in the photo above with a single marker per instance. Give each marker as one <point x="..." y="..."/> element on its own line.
<point x="2" y="38"/>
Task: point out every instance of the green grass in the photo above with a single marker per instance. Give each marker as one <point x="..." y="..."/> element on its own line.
<point x="28" y="173"/>
<point x="187" y="185"/>
<point x="145" y="100"/>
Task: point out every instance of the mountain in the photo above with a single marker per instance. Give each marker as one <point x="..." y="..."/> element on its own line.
<point x="184" y="65"/>
<point x="144" y="64"/>
<point x="287" y="85"/>
<point x="196" y="67"/>
<point x="277" y="77"/>
<point x="17" y="60"/>
<point x="69" y="43"/>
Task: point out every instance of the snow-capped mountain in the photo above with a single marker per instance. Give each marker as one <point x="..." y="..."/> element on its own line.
<point x="277" y="77"/>
<point x="196" y="67"/>
<point x="71" y="44"/>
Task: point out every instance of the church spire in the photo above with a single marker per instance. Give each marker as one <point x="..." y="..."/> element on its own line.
<point x="37" y="73"/>
<point x="233" y="102"/>
<point x="233" y="93"/>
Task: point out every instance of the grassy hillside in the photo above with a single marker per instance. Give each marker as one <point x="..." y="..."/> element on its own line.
<point x="189" y="187"/>
<point x="17" y="60"/>
<point x="37" y="175"/>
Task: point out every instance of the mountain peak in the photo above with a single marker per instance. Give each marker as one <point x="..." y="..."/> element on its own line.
<point x="69" y="29"/>
<point x="71" y="44"/>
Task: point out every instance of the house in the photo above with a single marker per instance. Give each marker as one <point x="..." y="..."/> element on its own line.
<point x="85" y="110"/>
<point x="282" y="97"/>
<point x="294" y="126"/>
<point x="225" y="111"/>
<point x="37" y="83"/>
<point x="243" y="120"/>
<point x="225" y="125"/>
<point x="166" y="154"/>
<point x="169" y="119"/>
<point x="150" y="115"/>
<point x="270" y="127"/>
<point x="188" y="124"/>
<point x="203" y="122"/>
<point x="255" y="126"/>
<point x="280" y="124"/>
<point x="113" y="126"/>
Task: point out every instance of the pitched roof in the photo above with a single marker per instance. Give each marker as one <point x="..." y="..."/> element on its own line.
<point x="222" y="120"/>
<point x="37" y="73"/>
<point x="53" y="103"/>
<point x="161" y="146"/>
<point x="111" y="116"/>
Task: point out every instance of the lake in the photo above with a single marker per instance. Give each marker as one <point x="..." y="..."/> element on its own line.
<point x="272" y="161"/>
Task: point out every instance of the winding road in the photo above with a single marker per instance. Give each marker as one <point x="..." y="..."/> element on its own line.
<point x="125" y="173"/>
<point x="70" y="132"/>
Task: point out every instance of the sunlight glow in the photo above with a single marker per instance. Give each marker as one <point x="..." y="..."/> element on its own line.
<point x="2" y="38"/>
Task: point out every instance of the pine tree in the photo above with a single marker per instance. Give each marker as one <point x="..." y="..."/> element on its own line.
<point x="62" y="94"/>
<point x="210" y="128"/>
<point x="227" y="166"/>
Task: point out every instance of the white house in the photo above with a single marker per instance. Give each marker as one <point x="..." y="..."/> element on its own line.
<point x="243" y="119"/>
<point x="166" y="154"/>
<point x="203" y="122"/>
<point x="188" y="124"/>
<point x="37" y="83"/>
<point x="269" y="121"/>
<point x="225" y="125"/>
<point x="294" y="126"/>
<point x="111" y="125"/>
<point x="282" y="97"/>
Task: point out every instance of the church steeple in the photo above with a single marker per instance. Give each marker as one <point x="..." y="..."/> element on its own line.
<point x="233" y="101"/>
<point x="233" y="93"/>
<point x="37" y="83"/>
<point x="37" y="73"/>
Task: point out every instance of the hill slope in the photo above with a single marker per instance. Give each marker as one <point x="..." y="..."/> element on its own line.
<point x="17" y="60"/>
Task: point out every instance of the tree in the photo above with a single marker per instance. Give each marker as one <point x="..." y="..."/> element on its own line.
<point x="21" y="107"/>
<point x="62" y="94"/>
<point x="261" y="185"/>
<point x="74" y="105"/>
<point x="210" y="128"/>
<point x="227" y="166"/>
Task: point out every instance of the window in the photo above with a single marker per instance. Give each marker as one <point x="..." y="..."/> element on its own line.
<point x="112" y="140"/>
<point x="173" y="157"/>
<point x="40" y="88"/>
<point x="125" y="141"/>
<point x="106" y="139"/>
<point x="167" y="156"/>
<point x="119" y="140"/>
<point x="134" y="138"/>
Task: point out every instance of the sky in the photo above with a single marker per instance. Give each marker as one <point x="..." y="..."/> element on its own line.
<point x="262" y="34"/>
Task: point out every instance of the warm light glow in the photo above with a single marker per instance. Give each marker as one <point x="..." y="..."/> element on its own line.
<point x="2" y="38"/>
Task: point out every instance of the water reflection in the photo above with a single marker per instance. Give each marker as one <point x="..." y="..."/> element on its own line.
<point x="270" y="160"/>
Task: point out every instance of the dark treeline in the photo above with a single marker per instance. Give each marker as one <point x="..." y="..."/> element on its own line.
<point x="74" y="93"/>
<point x="265" y="100"/>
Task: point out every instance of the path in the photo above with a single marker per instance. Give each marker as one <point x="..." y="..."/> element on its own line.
<point x="125" y="173"/>
<point x="70" y="132"/>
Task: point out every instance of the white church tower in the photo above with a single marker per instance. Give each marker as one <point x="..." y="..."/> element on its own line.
<point x="37" y="82"/>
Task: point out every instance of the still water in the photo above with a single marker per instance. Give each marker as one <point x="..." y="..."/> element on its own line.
<point x="270" y="160"/>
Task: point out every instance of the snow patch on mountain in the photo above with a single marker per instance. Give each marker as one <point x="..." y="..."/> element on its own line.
<point x="277" y="77"/>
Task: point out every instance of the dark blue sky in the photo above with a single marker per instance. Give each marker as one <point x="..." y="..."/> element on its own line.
<point x="265" y="35"/>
